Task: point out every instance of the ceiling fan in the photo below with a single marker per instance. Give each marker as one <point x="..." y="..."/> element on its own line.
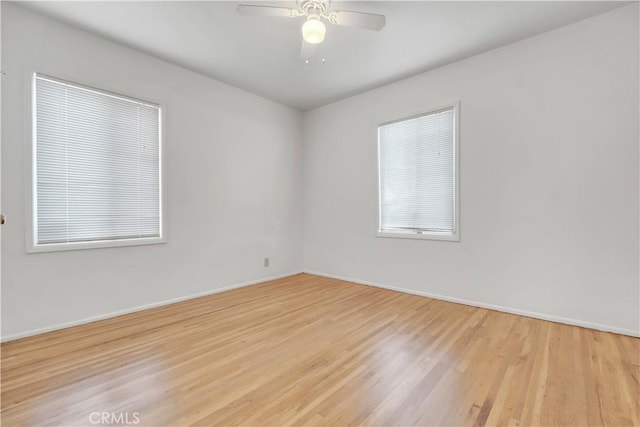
<point x="315" y="11"/>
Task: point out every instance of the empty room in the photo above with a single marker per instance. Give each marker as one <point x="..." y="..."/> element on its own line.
<point x="320" y="213"/>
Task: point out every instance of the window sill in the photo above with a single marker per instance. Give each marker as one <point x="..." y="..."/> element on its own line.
<point x="58" y="247"/>
<point x="422" y="236"/>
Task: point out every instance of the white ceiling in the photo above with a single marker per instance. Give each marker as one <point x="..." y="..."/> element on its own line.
<point x="261" y="54"/>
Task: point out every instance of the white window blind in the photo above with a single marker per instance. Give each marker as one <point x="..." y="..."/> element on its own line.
<point x="97" y="165"/>
<point x="417" y="174"/>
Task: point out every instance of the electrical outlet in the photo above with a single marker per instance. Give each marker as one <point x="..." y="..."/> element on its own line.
<point x="266" y="262"/>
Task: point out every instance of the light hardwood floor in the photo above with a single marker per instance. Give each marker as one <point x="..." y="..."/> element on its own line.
<point x="307" y="350"/>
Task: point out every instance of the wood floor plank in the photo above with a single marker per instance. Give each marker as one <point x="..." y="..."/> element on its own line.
<point x="307" y="350"/>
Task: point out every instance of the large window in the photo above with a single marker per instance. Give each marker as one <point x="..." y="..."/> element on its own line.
<point x="418" y="176"/>
<point x="96" y="168"/>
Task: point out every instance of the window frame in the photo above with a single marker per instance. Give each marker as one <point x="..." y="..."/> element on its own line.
<point x="31" y="246"/>
<point x="426" y="235"/>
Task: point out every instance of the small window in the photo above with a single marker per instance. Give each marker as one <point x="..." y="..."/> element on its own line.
<point x="418" y="193"/>
<point x="96" y="168"/>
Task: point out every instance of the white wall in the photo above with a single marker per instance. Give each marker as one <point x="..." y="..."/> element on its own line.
<point x="234" y="193"/>
<point x="549" y="179"/>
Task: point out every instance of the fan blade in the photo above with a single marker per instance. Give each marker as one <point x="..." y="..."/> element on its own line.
<point x="249" y="9"/>
<point x="307" y="50"/>
<point x="369" y="21"/>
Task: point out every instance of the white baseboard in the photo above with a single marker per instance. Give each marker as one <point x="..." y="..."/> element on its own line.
<point x="92" y="319"/>
<point x="526" y="313"/>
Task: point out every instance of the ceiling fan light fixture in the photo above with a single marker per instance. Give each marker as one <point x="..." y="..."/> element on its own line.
<point x="313" y="30"/>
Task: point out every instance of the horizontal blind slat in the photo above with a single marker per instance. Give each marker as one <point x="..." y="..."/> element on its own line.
<point x="417" y="185"/>
<point x="97" y="165"/>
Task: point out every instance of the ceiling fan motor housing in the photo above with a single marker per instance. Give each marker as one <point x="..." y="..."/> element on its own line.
<point x="314" y="7"/>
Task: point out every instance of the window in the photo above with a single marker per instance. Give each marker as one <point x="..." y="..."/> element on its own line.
<point x="96" y="168"/>
<point x="418" y="176"/>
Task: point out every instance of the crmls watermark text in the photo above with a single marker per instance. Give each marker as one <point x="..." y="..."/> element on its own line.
<point x="114" y="418"/>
